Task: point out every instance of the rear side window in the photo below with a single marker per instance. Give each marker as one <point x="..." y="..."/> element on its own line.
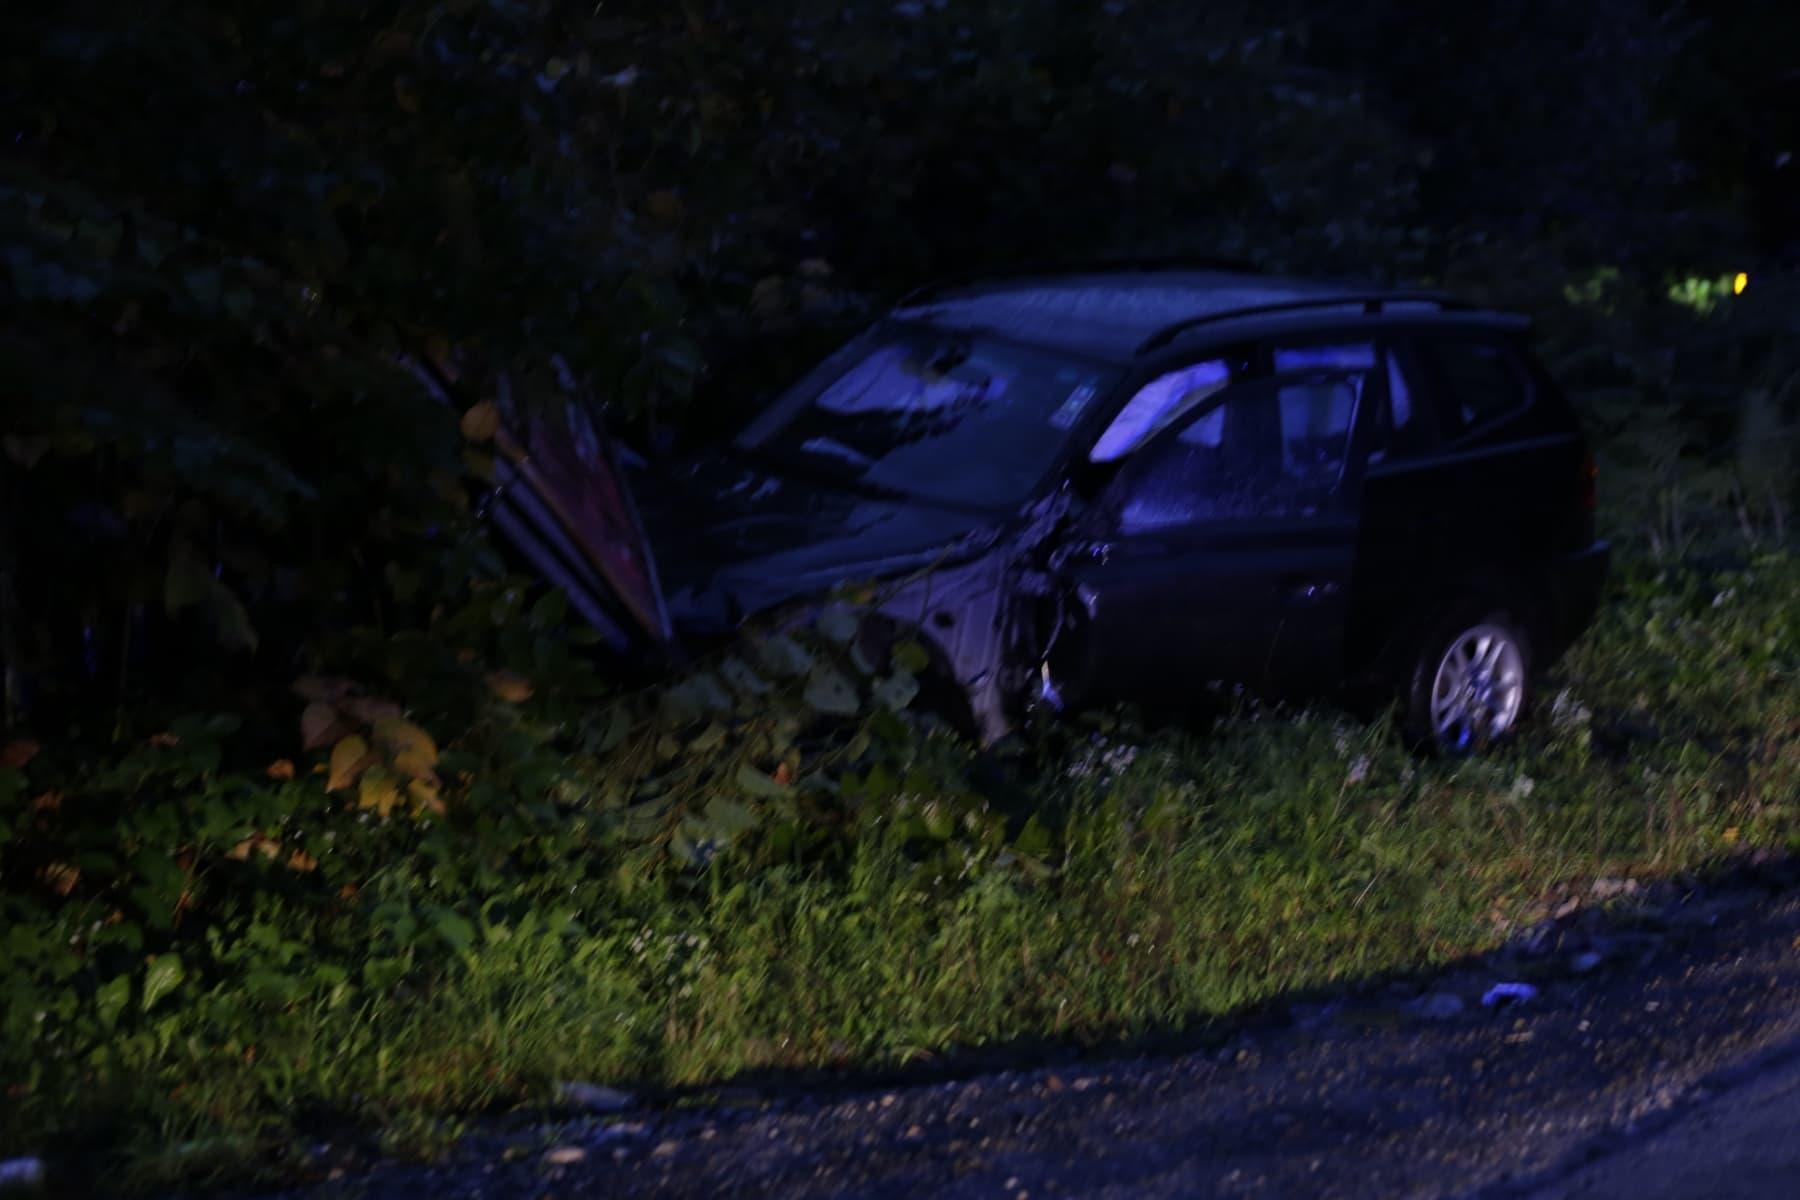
<point x="1400" y="426"/>
<point x="1477" y="383"/>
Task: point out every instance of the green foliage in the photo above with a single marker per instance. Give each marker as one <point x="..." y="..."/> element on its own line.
<point x="628" y="886"/>
<point x="1696" y="413"/>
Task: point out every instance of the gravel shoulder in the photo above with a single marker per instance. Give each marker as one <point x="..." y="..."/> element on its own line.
<point x="1650" y="1057"/>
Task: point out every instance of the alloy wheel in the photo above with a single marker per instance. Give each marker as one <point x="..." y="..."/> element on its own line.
<point x="1479" y="687"/>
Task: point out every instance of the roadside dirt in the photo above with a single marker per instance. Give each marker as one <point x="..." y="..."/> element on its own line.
<point x="1661" y="1052"/>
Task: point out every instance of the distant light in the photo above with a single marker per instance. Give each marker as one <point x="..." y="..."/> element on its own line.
<point x="1739" y="282"/>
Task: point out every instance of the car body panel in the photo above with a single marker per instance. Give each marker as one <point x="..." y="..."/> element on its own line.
<point x="1261" y="605"/>
<point x="1042" y="599"/>
<point x="739" y="539"/>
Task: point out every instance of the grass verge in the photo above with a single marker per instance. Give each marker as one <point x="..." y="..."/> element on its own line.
<point x="416" y="972"/>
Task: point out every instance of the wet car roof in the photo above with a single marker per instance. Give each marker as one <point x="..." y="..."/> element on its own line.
<point x="1111" y="314"/>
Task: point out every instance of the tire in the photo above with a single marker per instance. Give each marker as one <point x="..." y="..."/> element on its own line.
<point x="1469" y="682"/>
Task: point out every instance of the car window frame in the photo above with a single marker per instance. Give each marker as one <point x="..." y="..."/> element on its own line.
<point x="1391" y="352"/>
<point x="1105" y="517"/>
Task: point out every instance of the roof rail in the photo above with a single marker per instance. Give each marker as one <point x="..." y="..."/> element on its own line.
<point x="1080" y="267"/>
<point x="1371" y="302"/>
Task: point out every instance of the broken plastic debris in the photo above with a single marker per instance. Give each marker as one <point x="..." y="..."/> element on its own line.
<point x="1502" y="993"/>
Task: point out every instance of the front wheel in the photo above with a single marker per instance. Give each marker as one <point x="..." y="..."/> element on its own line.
<point x="1469" y="681"/>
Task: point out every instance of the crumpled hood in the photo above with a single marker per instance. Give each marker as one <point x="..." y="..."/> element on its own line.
<point x="733" y="539"/>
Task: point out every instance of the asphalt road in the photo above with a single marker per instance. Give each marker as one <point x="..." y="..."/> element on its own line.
<point x="1742" y="1142"/>
<point x="1656" y="1060"/>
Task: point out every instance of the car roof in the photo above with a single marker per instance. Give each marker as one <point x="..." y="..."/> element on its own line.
<point x="1124" y="314"/>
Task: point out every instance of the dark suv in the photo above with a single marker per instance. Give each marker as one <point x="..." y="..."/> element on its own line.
<point x="1148" y="485"/>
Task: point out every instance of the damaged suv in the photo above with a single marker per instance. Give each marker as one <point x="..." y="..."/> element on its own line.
<point x="1140" y="484"/>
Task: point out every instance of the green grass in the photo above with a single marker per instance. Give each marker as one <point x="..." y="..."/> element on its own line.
<point x="1214" y="869"/>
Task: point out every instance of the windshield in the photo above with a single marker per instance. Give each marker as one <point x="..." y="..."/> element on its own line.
<point x="958" y="418"/>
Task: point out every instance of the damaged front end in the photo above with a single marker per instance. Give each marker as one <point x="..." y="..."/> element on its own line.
<point x="908" y="462"/>
<point x="981" y="601"/>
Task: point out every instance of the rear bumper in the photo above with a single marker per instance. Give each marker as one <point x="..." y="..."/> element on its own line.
<point x="1576" y="582"/>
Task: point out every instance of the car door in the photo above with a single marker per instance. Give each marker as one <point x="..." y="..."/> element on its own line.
<point x="1221" y="553"/>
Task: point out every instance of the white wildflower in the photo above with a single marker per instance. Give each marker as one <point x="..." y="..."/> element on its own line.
<point x="1566" y="712"/>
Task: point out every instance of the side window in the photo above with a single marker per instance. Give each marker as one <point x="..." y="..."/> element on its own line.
<point x="1272" y="449"/>
<point x="1400" y="427"/>
<point x="1477" y="382"/>
<point x="1159" y="404"/>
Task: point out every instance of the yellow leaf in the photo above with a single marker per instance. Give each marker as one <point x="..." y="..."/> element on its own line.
<point x="257" y="843"/>
<point x="510" y="686"/>
<point x="300" y="860"/>
<point x="281" y="769"/>
<point x="481" y="422"/>
<point x="62" y="877"/>
<point x="409" y="748"/>
<point x="1731" y="835"/>
<point x="427" y="796"/>
<point x="349" y="758"/>
<point x="379" y="791"/>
